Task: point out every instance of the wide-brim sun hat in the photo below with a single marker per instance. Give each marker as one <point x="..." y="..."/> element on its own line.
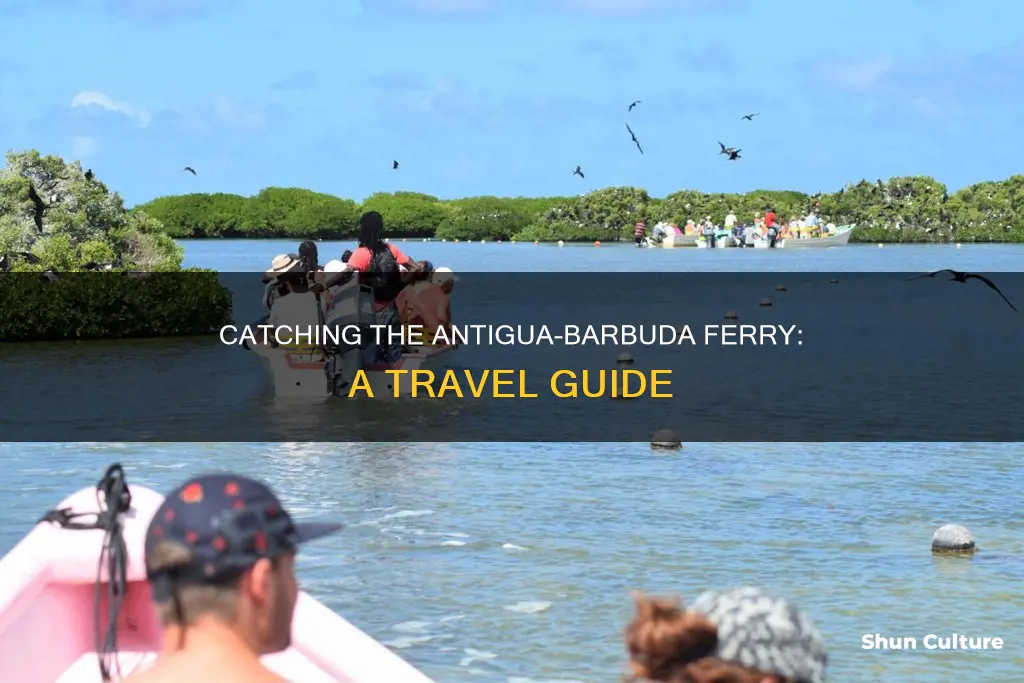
<point x="282" y="263"/>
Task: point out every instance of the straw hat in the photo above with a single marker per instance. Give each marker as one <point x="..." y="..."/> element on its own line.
<point x="283" y="263"/>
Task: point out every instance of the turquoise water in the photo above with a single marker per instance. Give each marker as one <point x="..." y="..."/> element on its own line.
<point x="512" y="562"/>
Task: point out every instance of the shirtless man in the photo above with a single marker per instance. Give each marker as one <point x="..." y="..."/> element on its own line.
<point x="220" y="557"/>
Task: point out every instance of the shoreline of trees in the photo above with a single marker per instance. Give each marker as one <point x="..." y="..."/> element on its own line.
<point x="914" y="209"/>
<point x="58" y="220"/>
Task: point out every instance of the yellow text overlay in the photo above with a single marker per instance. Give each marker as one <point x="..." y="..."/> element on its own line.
<point x="511" y="384"/>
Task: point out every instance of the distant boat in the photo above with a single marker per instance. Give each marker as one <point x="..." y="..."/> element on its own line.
<point x="840" y="237"/>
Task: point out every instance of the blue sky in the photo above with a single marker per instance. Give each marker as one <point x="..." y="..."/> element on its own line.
<point x="505" y="97"/>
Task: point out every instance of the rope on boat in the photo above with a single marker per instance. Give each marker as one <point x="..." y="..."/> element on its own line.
<point x="113" y="505"/>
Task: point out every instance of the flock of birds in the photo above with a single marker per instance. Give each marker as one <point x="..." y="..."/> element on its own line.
<point x="731" y="152"/>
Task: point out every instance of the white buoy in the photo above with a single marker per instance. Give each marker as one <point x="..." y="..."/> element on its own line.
<point x="561" y="243"/>
<point x="957" y="245"/>
<point x="953" y="538"/>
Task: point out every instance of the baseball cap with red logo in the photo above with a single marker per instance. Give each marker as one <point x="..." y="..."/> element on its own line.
<point x="227" y="522"/>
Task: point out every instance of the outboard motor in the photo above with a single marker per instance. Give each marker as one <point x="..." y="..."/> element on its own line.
<point x="353" y="308"/>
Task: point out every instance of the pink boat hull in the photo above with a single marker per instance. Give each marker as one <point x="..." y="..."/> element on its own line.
<point x="47" y="588"/>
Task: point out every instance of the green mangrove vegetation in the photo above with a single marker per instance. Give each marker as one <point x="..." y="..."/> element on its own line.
<point x="57" y="221"/>
<point x="906" y="209"/>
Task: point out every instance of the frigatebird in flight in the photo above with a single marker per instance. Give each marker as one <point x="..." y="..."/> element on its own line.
<point x="750" y="117"/>
<point x="579" y="172"/>
<point x="635" y="141"/>
<point x="190" y="170"/>
<point x="633" y="105"/>
<point x="962" y="278"/>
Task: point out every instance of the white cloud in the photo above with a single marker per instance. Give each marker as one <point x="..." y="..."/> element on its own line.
<point x="91" y="98"/>
<point x="83" y="146"/>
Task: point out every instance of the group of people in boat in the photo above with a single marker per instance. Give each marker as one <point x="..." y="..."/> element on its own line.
<point x="225" y="604"/>
<point x="765" y="226"/>
<point x="300" y="291"/>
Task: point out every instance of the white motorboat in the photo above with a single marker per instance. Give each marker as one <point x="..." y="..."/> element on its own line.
<point x="838" y="238"/>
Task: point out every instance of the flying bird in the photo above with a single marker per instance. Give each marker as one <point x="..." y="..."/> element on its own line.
<point x="962" y="278"/>
<point x="635" y="141"/>
<point x="750" y="117"/>
<point x="88" y="175"/>
<point x="394" y="165"/>
<point x="633" y="105"/>
<point x="190" y="170"/>
<point x="734" y="154"/>
<point x="726" y="150"/>
<point x="579" y="172"/>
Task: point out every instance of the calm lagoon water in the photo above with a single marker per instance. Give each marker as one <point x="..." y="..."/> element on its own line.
<point x="512" y="563"/>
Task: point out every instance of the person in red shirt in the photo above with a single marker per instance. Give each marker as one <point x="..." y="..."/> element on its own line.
<point x="379" y="264"/>
<point x="769" y="218"/>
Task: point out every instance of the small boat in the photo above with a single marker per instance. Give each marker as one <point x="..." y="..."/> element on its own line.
<point x="838" y="238"/>
<point x="49" y="619"/>
<point x="299" y="371"/>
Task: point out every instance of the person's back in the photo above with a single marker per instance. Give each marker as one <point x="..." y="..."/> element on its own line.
<point x="379" y="263"/>
<point x="220" y="559"/>
<point x="220" y="664"/>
